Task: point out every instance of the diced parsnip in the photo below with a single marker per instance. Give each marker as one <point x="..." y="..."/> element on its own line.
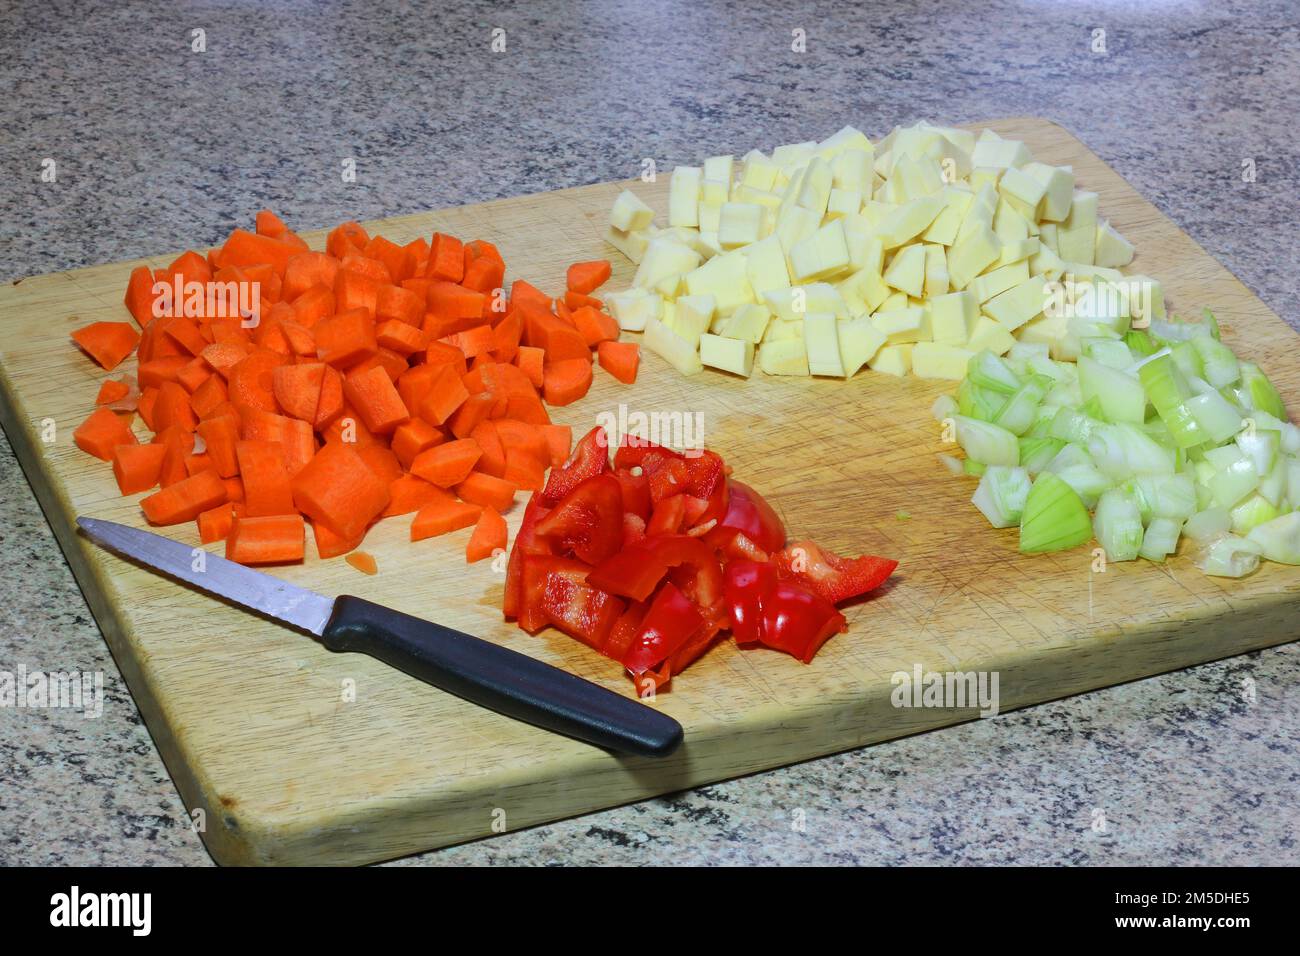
<point x="952" y="317"/>
<point x="906" y="271"/>
<point x="633" y="307"/>
<point x="664" y="258"/>
<point x="740" y="224"/>
<point x="933" y="360"/>
<point x="684" y="196"/>
<point x="631" y="244"/>
<point x="672" y="348"/>
<point x="821" y="255"/>
<point x="999" y="280"/>
<point x="821" y="341"/>
<point x="730" y="355"/>
<point x="748" y="323"/>
<point x="725" y="278"/>
<point x="629" y="213"/>
<point x="909" y="220"/>
<point x="783" y="357"/>
<point x="860" y="340"/>
<point x="692" y="316"/>
<point x="765" y="266"/>
<point x="892" y="360"/>
<point x="1111" y="249"/>
<point x="990" y="334"/>
<point x="1016" y="306"/>
<point x="719" y="168"/>
<point x="1076" y="238"/>
<point x="900" y="326"/>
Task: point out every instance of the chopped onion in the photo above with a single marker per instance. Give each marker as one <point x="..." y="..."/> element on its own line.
<point x="1160" y="539"/>
<point x="1208" y="524"/>
<point x="1279" y="539"/>
<point x="1118" y="525"/>
<point x="1001" y="495"/>
<point x="1054" y="517"/>
<point x="1229" y="556"/>
<point x="987" y="443"/>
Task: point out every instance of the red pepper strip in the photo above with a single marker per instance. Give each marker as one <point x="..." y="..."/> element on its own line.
<point x="748" y="513"/>
<point x="589" y="520"/>
<point x="624" y="631"/>
<point x="797" y="621"/>
<point x="746" y="584"/>
<point x="668" y="625"/>
<point x="668" y="517"/>
<point x="636" y="570"/>
<point x="636" y="493"/>
<point x="829" y="576"/>
<point x="526" y="542"/>
<point x="558" y="589"/>
<point x="590" y="458"/>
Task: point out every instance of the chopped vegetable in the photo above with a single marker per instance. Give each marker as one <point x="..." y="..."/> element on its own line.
<point x="374" y="380"/>
<point x="649" y="558"/>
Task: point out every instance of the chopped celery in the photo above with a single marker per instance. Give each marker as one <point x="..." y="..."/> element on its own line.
<point x="1054" y="517"/>
<point x="945" y="406"/>
<point x="1252" y="512"/>
<point x="1160" y="539"/>
<point x="974" y="468"/>
<point x="1168" y="391"/>
<point x="1139" y="343"/>
<point x="990" y="371"/>
<point x="1229" y="556"/>
<point x="1221" y="366"/>
<point x="1001" y="495"/>
<point x="1262" y="393"/>
<point x="1216" y="416"/>
<point x="1118" y="525"/>
<point x="1037" y="451"/>
<point x="987" y="443"/>
<point x="1208" y="524"/>
<point x="1279" y="539"/>
<point x="1187" y="359"/>
<point x="1021" y="409"/>
<point x="1119" y="394"/>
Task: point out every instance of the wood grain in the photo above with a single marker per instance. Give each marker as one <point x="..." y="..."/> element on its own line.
<point x="251" y="718"/>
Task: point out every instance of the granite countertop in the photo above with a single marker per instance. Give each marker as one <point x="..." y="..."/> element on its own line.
<point x="159" y="147"/>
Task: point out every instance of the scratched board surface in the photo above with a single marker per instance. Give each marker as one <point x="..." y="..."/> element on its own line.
<point x="252" y="718"/>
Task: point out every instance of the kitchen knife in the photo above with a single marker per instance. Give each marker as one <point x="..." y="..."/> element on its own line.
<point x="477" y="670"/>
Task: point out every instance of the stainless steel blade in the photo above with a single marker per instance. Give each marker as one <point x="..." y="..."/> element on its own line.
<point x="252" y="589"/>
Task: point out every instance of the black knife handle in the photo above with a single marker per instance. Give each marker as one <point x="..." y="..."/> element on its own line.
<point x="500" y="679"/>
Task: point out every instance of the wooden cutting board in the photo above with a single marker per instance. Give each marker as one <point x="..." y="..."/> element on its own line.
<point x="256" y="723"/>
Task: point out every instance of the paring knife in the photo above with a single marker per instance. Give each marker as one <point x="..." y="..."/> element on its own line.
<point x="477" y="670"/>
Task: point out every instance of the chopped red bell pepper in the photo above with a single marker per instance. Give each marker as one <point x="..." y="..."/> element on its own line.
<point x="624" y="631"/>
<point x="556" y="589"/>
<point x="590" y="458"/>
<point x="636" y="493"/>
<point x="701" y="474"/>
<point x="637" y="570"/>
<point x="526" y="542"/>
<point x="746" y="584"/>
<point x="668" y="516"/>
<point x="589" y="520"/>
<point x="750" y="514"/>
<point x="670" y="622"/>
<point x="831" y="577"/>
<point x="797" y="621"/>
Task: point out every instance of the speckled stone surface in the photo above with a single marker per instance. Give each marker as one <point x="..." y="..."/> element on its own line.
<point x="158" y="147"/>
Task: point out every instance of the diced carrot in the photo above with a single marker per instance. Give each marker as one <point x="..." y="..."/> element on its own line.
<point x="301" y="341"/>
<point x="197" y="463"/>
<point x="245" y="248"/>
<point x="137" y="467"/>
<point x="364" y="265"/>
<point x="530" y="361"/>
<point x="453" y="305"/>
<point x="214" y="524"/>
<point x="297" y="389"/>
<point x="489" y="536"/>
<point x="329" y="544"/>
<point x="506" y="335"/>
<point x="145" y="406"/>
<point x="193" y="374"/>
<point x="251" y="381"/>
<point x="400" y="337"/>
<point x="381" y="461"/>
<point x="139" y="297"/>
<point x="269" y="224"/>
<point x="472" y="342"/>
<point x="485" y="490"/>
<point x="559" y="441"/>
<point x="338" y="489"/>
<point x="221" y="436"/>
<point x="113" y="390"/>
<point x="363" y="561"/>
<point x="476" y="408"/>
<point x="567" y="381"/>
<point x="184" y="331"/>
<point x="102" y="432"/>
<point x="156" y="371"/>
<point x="395" y="303"/>
<point x="191" y="267"/>
<point x="234" y="489"/>
<point x="307" y="270"/>
<point x="267" y="488"/>
<point x="412" y="437"/>
<point x="207" y="397"/>
<point x="173" y="408"/>
<point x="349" y="234"/>
<point x="397" y="259"/>
<point x="587" y="277"/>
<point x="577" y="300"/>
<point x="493" y="461"/>
<point x="355" y="290"/>
<point x="595" y="326"/>
<point x="185" y="500"/>
<point x="179" y="444"/>
<point x="484" y="274"/>
<point x="447" y="464"/>
<point x="346" y="338"/>
<point x="267" y="539"/>
<point x="314" y="306"/>
<point x="107" y="342"/>
<point x="330" y="406"/>
<point x="445" y="394"/>
<point x="223" y="356"/>
<point x="522" y="292"/>
<point x="442" y="516"/>
<point x="446" y="258"/>
<point x="372" y="394"/>
<point x="408" y="494"/>
<point x="620" y="359"/>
